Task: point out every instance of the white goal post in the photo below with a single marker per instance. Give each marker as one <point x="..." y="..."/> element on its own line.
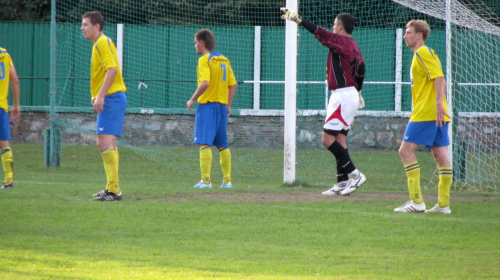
<point x="290" y="118"/>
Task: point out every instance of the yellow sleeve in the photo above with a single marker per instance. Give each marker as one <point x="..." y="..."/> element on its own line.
<point x="203" y="69"/>
<point x="105" y="48"/>
<point x="231" y="78"/>
<point x="430" y="62"/>
<point x="11" y="62"/>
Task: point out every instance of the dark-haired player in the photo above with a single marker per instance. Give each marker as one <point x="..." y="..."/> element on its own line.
<point x="214" y="94"/>
<point x="345" y="71"/>
<point x="8" y="75"/>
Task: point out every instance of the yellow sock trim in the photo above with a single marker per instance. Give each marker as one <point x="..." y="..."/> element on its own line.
<point x="225" y="163"/>
<point x="205" y="163"/>
<point x="110" y="161"/>
<point x="8" y="164"/>
<point x="445" y="179"/>
<point x="413" y="173"/>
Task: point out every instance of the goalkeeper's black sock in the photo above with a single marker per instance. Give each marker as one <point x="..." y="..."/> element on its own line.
<point x="342" y="156"/>
<point x="342" y="174"/>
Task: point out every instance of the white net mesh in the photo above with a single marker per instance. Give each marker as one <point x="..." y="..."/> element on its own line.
<point x="471" y="14"/>
<point x="159" y="66"/>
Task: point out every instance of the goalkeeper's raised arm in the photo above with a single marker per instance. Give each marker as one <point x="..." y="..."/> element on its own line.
<point x="292" y="15"/>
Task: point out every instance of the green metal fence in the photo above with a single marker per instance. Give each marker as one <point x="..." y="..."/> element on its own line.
<point x="28" y="44"/>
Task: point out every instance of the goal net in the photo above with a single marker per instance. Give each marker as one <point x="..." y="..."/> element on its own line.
<point x="155" y="42"/>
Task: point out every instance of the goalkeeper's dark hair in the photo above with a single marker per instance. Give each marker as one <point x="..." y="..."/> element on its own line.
<point x="95" y="18"/>
<point x="347" y="21"/>
<point x="206" y="36"/>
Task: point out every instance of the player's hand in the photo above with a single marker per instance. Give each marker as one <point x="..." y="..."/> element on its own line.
<point x="190" y="104"/>
<point x="15" y="112"/>
<point x="98" y="105"/>
<point x="361" y="101"/>
<point x="290" y="15"/>
<point x="228" y="109"/>
<point x="441" y="112"/>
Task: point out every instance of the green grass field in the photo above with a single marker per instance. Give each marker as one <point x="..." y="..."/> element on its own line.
<point x="261" y="229"/>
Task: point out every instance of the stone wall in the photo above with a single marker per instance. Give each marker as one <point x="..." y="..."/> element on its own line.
<point x="244" y="131"/>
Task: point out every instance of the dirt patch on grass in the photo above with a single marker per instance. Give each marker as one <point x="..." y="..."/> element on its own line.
<point x="310" y="197"/>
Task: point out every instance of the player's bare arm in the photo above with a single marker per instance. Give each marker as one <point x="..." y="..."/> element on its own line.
<point x="440" y="87"/>
<point x="108" y="81"/>
<point x="231" y="92"/>
<point x="15" y="111"/>
<point x="202" y="87"/>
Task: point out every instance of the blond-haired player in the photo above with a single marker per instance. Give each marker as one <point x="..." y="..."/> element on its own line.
<point x="428" y="123"/>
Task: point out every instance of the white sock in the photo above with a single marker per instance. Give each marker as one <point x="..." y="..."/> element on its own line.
<point x="354" y="174"/>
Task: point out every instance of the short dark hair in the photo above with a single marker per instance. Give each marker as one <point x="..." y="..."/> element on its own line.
<point x="206" y="36"/>
<point x="347" y="21"/>
<point x="95" y="18"/>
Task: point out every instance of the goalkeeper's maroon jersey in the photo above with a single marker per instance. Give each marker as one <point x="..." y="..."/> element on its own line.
<point x="345" y="66"/>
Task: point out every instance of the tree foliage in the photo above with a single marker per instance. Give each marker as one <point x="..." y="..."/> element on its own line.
<point x="25" y="10"/>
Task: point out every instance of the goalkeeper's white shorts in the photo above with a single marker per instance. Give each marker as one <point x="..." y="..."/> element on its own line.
<point x="342" y="108"/>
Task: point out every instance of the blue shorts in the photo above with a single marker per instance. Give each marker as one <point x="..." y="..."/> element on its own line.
<point x="210" y="125"/>
<point x="4" y="125"/>
<point x="427" y="133"/>
<point x="111" y="119"/>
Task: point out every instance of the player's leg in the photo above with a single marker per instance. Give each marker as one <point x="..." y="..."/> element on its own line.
<point x="340" y="113"/>
<point x="205" y="125"/>
<point x="328" y="138"/>
<point x="220" y="141"/>
<point x="110" y="161"/>
<point x="412" y="169"/>
<point x="354" y="177"/>
<point x="440" y="151"/>
<point x="205" y="166"/>
<point x="416" y="133"/>
<point x="342" y="108"/>
<point x="109" y="126"/>
<point x="8" y="166"/>
<point x="336" y="145"/>
<point x="117" y="153"/>
<point x="6" y="151"/>
<point x="225" y="163"/>
<point x="445" y="178"/>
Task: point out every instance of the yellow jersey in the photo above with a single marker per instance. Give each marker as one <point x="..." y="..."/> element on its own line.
<point x="425" y="67"/>
<point x="215" y="68"/>
<point x="104" y="56"/>
<point x="5" y="64"/>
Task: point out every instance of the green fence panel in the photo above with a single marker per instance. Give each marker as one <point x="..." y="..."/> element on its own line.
<point x="169" y="85"/>
<point x="17" y="38"/>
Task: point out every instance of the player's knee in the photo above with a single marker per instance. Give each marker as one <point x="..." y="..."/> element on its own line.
<point x="327" y="139"/>
<point x="325" y="143"/>
<point x="403" y="153"/>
